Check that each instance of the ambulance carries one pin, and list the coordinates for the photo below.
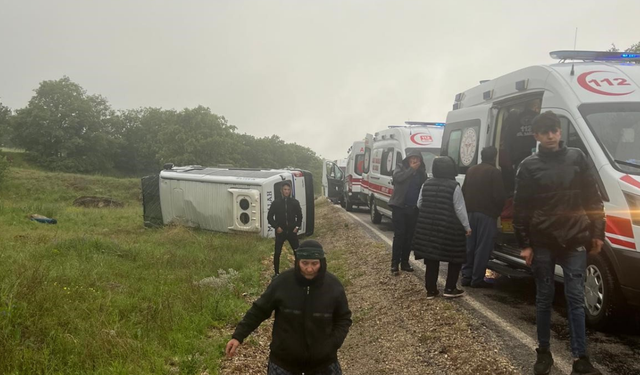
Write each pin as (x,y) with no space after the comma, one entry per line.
(387,148)
(597,97)
(353,193)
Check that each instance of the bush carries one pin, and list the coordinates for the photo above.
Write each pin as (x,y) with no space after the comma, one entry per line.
(4,168)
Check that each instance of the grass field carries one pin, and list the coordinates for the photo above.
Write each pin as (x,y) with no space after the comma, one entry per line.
(100,294)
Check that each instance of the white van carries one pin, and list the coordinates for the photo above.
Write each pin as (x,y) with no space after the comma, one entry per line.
(387,148)
(333,180)
(598,101)
(224,199)
(353,193)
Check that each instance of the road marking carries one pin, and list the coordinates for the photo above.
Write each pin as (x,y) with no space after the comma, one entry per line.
(518,334)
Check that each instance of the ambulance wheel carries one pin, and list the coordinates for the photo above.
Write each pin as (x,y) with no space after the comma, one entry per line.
(348,204)
(376,217)
(602,295)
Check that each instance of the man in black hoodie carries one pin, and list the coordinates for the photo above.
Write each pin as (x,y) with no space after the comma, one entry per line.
(408,177)
(559,217)
(312,317)
(285,216)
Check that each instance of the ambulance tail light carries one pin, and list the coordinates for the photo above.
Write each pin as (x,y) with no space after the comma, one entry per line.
(349,182)
(297,173)
(633,201)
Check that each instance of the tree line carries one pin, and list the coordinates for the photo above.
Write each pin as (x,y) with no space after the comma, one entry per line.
(63,128)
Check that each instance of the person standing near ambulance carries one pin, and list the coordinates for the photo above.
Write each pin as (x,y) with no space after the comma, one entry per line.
(285,216)
(408,177)
(559,217)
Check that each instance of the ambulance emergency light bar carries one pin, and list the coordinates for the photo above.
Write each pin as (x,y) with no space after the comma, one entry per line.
(595,56)
(417,123)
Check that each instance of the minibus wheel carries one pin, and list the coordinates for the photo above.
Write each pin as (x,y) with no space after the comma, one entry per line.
(376,217)
(601,291)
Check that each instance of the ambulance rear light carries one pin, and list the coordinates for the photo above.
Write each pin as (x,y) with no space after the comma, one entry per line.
(595,56)
(633,201)
(297,173)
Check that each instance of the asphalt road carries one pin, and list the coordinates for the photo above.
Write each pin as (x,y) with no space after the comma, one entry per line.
(508,310)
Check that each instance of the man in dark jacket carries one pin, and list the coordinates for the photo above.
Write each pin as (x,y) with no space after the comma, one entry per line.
(312,317)
(408,177)
(285,216)
(558,216)
(484,196)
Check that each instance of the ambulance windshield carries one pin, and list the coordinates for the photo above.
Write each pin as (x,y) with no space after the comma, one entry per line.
(428,154)
(617,127)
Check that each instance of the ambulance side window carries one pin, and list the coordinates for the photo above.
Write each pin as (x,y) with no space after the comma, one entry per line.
(386,162)
(572,139)
(453,146)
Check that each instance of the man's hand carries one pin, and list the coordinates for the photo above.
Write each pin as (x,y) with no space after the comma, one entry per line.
(468,232)
(279,230)
(414,163)
(295,230)
(596,246)
(231,348)
(527,254)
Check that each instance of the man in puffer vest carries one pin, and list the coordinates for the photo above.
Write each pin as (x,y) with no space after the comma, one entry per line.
(312,317)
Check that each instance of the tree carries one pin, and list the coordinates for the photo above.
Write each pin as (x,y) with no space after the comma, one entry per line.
(635,48)
(5,116)
(66,128)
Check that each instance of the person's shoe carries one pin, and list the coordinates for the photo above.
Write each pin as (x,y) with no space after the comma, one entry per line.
(275,275)
(395,272)
(482,284)
(453,293)
(406,267)
(584,366)
(465,282)
(432,295)
(543,362)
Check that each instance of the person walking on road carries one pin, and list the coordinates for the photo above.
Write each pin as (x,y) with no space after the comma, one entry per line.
(442,227)
(312,317)
(285,216)
(559,217)
(408,177)
(484,197)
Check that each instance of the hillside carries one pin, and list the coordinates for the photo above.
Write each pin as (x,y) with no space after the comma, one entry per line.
(100,294)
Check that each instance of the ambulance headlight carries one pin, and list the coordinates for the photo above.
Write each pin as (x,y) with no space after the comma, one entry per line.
(633,201)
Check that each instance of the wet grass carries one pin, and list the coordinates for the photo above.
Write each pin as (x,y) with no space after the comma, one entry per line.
(100,294)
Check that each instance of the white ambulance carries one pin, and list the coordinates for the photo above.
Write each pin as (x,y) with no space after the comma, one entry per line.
(598,101)
(387,148)
(224,199)
(353,193)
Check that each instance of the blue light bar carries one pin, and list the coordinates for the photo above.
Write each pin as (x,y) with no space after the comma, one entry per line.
(418,123)
(595,56)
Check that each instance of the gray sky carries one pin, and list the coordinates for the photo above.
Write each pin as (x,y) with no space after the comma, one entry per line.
(320,73)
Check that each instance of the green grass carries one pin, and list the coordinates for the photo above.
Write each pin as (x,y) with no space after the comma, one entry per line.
(100,294)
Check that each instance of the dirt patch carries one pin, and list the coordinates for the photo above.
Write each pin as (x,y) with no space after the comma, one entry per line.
(396,330)
(97,202)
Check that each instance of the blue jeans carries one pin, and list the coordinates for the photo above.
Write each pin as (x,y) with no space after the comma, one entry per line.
(574,265)
(479,247)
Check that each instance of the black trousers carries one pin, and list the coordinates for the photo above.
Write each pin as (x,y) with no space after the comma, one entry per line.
(404,224)
(280,239)
(431,276)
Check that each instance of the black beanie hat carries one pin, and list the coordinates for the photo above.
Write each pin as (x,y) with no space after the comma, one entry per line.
(310,249)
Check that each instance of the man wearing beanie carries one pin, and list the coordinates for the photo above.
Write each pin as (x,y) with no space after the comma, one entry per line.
(285,217)
(312,317)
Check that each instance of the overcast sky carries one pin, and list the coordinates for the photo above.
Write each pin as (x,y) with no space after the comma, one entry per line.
(319,73)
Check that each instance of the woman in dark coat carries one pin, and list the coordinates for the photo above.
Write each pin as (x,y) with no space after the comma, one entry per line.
(442,227)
